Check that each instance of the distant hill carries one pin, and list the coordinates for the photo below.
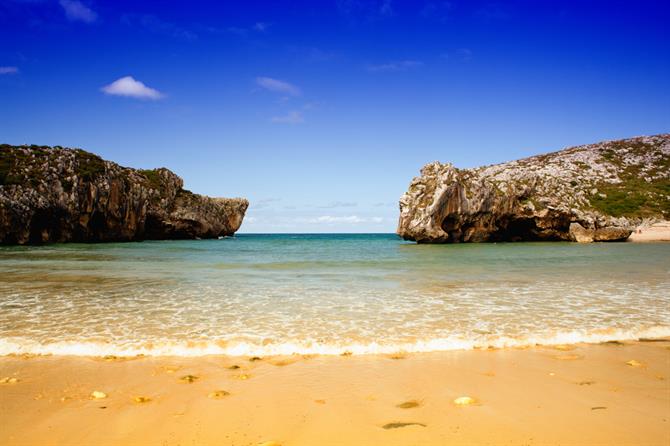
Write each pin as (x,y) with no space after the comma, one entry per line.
(55,194)
(593,192)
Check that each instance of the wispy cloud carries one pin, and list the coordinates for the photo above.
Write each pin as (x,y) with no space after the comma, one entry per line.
(464,54)
(292,117)
(156,25)
(278,86)
(261,26)
(129,87)
(264,203)
(390,67)
(339,204)
(243,31)
(338,219)
(365,9)
(437,10)
(492,12)
(76,11)
(9,70)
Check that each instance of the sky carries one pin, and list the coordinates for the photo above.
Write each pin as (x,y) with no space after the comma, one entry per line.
(322,112)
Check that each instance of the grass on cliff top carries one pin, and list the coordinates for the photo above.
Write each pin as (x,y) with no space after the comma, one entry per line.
(23,164)
(153,177)
(14,157)
(634,197)
(89,166)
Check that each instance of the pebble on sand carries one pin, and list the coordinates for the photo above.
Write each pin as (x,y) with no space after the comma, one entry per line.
(9,380)
(141,399)
(465,401)
(98,395)
(634,363)
(242,376)
(218,394)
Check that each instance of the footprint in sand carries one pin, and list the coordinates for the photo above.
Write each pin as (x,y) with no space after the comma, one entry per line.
(564,347)
(408,404)
(189,379)
(141,399)
(568,357)
(634,363)
(218,394)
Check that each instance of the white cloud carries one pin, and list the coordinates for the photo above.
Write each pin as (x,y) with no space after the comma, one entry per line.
(76,11)
(292,117)
(129,87)
(402,65)
(277,86)
(9,70)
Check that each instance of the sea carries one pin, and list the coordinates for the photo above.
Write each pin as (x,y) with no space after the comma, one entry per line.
(330,294)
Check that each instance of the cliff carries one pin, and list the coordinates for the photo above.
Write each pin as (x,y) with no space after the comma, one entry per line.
(54,194)
(596,192)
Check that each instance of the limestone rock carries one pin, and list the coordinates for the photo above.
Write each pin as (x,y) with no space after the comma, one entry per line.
(53,194)
(586,193)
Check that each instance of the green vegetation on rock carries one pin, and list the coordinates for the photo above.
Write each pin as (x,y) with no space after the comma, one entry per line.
(89,165)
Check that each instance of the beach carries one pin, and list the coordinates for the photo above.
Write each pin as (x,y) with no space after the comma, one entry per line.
(334,339)
(657,232)
(611,393)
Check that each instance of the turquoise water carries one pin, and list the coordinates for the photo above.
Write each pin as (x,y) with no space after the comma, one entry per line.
(364,293)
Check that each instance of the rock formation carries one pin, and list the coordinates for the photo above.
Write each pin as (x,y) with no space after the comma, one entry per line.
(597,192)
(69,195)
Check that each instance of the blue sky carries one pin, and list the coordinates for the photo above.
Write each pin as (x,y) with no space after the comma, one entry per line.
(321,112)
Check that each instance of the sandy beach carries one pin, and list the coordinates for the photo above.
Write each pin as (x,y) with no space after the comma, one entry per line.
(657,232)
(613,393)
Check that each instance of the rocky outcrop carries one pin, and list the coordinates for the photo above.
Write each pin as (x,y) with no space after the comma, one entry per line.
(597,192)
(69,195)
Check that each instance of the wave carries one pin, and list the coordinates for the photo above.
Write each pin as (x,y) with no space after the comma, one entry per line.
(12,346)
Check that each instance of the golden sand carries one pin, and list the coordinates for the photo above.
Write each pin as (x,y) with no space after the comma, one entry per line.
(505,396)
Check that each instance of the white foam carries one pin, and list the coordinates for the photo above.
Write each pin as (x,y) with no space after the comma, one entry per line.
(194,349)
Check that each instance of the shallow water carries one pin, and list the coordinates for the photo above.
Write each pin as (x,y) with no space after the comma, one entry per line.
(364,293)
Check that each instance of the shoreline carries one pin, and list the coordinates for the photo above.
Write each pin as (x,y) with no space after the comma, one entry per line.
(197,348)
(609,393)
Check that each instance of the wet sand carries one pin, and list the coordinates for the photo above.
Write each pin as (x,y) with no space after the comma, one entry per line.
(572,395)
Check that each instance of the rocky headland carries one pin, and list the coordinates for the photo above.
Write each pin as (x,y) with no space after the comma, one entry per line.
(55,194)
(596,192)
